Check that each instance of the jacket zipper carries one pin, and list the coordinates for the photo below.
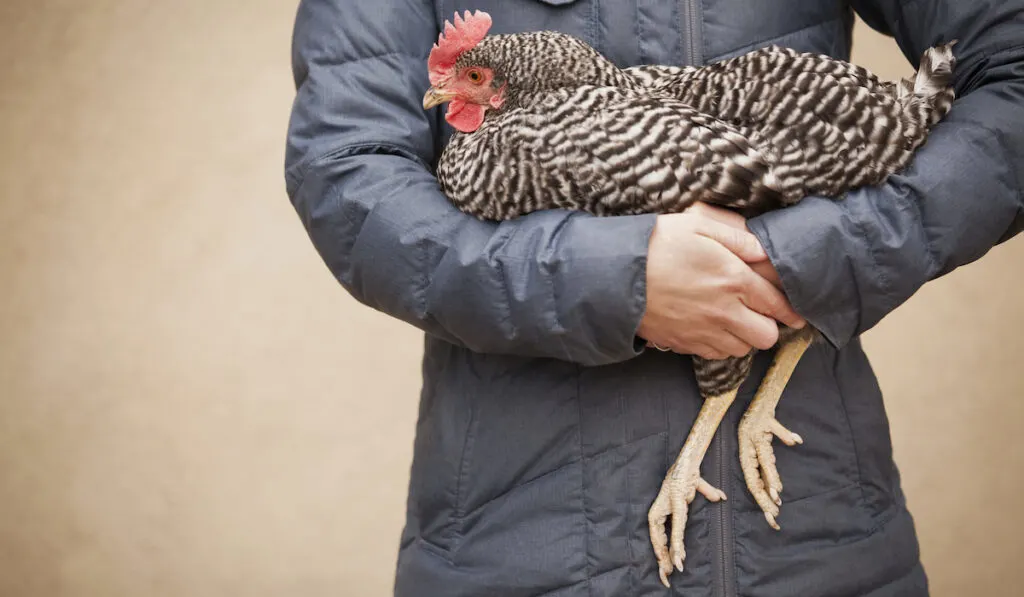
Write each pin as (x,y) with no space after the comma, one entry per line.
(722,513)
(724,561)
(690,30)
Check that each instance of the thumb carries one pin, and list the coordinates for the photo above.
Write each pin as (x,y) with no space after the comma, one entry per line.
(742,243)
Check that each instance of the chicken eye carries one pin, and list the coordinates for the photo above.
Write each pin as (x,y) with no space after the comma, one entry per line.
(475,76)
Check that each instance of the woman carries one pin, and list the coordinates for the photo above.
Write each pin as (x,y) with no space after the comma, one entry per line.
(545,426)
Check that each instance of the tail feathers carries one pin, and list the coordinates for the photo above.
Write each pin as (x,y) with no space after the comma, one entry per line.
(929,93)
(935,74)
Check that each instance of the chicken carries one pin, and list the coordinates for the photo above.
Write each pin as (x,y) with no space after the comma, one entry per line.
(544,121)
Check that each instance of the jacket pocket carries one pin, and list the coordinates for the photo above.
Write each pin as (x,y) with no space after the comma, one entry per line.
(863,406)
(491,430)
(524,426)
(444,437)
(812,406)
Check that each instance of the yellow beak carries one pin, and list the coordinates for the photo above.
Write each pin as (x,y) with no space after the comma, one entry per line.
(436,97)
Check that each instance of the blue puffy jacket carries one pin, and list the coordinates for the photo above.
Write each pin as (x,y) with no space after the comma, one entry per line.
(545,428)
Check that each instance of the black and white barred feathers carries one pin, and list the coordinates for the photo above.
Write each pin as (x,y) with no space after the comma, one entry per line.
(753,133)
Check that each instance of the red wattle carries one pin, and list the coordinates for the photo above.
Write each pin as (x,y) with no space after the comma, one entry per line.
(464,117)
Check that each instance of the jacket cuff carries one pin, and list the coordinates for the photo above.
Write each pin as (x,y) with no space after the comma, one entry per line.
(610,276)
(818,269)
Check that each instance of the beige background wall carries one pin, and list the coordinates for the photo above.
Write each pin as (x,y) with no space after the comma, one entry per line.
(190,405)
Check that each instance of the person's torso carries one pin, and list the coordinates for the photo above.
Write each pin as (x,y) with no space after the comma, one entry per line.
(533,477)
(680,32)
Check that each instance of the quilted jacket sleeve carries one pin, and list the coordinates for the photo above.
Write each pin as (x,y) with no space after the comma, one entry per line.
(360,147)
(847,264)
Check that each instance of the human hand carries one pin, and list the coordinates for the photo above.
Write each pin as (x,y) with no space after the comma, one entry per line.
(703,297)
(730,218)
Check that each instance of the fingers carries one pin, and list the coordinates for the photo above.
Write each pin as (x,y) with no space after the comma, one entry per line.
(749,329)
(766,270)
(703,350)
(764,298)
(706,352)
(730,230)
(741,331)
(732,343)
(719,214)
(703,297)
(740,242)
(722,346)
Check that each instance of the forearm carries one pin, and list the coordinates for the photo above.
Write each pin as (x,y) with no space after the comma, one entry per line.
(360,146)
(846,264)
(552,284)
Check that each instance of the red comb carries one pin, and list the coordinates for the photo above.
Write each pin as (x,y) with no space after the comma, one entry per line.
(456,39)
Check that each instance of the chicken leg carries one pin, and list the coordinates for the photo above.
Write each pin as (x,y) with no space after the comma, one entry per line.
(757,459)
(682,483)
(719,382)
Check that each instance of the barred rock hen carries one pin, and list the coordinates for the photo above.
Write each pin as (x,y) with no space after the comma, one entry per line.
(544,121)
